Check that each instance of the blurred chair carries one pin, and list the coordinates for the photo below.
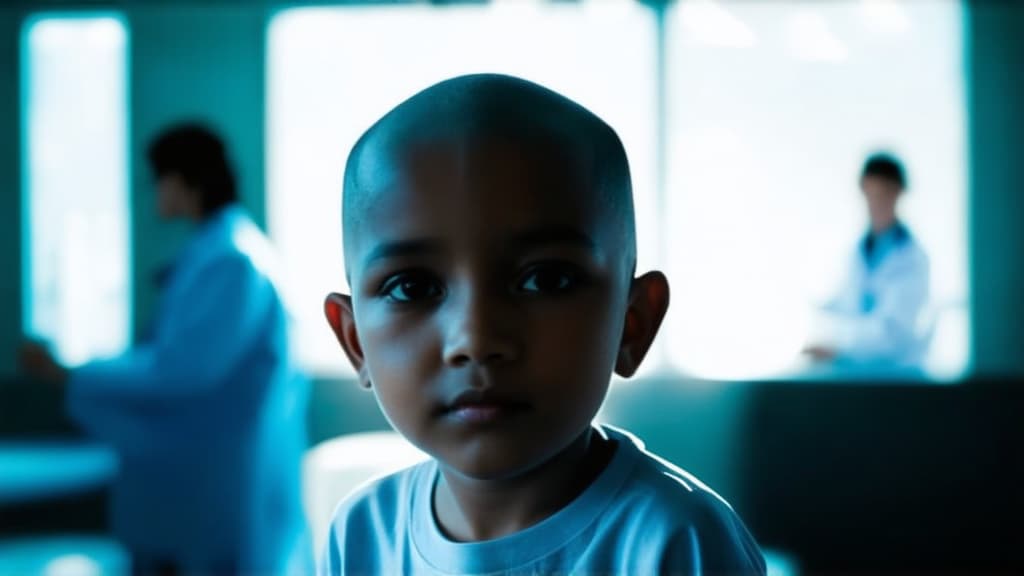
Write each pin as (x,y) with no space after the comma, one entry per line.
(334,468)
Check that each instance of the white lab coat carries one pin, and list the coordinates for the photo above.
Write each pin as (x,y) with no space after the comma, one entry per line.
(208,418)
(878,317)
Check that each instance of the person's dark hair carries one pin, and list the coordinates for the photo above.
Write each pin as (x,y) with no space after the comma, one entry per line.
(198,156)
(885,165)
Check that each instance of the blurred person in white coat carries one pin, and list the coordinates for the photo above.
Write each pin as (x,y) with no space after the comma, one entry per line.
(208,415)
(877,318)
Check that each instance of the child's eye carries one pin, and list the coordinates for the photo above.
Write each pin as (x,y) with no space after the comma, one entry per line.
(411,287)
(550,278)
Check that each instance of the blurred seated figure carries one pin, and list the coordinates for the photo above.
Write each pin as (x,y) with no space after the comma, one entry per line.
(877,320)
(208,416)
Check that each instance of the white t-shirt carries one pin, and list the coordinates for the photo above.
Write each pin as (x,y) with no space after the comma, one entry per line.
(641,515)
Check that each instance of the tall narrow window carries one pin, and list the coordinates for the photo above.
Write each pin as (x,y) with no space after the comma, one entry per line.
(75,218)
(325,87)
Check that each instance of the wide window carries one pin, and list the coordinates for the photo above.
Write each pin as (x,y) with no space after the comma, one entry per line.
(772,108)
(746,125)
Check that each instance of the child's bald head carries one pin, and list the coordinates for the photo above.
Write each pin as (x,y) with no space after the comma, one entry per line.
(489,246)
(471,109)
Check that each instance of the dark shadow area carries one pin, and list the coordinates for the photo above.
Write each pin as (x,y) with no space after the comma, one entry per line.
(32,412)
(848,478)
(84,513)
(888,478)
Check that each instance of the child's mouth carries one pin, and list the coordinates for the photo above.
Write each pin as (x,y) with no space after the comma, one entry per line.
(477,407)
(478,413)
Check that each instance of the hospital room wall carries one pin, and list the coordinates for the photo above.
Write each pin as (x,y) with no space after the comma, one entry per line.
(10,192)
(206,60)
(192,61)
(996,118)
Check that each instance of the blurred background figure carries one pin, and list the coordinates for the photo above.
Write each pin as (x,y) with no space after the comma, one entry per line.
(877,317)
(207,415)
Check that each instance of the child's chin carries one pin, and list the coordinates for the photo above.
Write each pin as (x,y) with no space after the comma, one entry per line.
(484,463)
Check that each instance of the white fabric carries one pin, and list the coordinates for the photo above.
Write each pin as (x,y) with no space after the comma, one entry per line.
(640,516)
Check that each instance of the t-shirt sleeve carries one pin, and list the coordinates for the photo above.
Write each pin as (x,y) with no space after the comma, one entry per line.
(329,563)
(362,534)
(209,329)
(336,560)
(715,543)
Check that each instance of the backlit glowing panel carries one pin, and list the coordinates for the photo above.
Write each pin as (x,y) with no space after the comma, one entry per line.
(333,71)
(75,184)
(766,137)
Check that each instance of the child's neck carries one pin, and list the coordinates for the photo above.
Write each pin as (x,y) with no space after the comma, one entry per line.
(470,510)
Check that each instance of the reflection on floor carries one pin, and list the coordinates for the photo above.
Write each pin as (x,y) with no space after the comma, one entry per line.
(66,555)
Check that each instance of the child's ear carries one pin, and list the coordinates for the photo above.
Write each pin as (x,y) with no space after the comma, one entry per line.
(338,309)
(648,302)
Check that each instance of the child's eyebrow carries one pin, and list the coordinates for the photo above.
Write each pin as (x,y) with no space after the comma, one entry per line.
(531,238)
(401,248)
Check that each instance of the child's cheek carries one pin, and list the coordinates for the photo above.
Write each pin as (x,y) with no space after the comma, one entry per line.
(582,322)
(399,347)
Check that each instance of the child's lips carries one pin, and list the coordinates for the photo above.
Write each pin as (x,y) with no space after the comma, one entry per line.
(481,407)
(482,414)
(478,413)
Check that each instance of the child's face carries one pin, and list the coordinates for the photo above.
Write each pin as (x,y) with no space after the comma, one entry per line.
(489,295)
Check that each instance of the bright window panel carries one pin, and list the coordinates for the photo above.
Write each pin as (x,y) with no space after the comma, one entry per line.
(325,87)
(773,107)
(75,219)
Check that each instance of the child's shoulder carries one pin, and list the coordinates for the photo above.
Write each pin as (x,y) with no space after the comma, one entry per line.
(668,488)
(370,521)
(661,498)
(385,495)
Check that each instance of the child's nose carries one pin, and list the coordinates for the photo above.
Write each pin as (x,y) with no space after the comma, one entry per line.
(481,332)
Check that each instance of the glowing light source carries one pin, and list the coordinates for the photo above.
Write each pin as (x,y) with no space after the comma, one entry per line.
(707,22)
(324,88)
(886,16)
(76,197)
(73,565)
(812,39)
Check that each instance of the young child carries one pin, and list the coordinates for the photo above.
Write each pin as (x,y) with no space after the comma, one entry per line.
(490,247)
